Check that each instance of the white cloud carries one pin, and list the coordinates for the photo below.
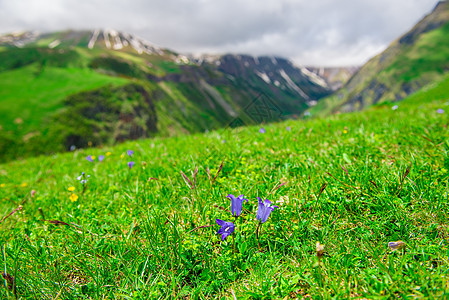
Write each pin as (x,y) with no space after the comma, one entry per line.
(321,32)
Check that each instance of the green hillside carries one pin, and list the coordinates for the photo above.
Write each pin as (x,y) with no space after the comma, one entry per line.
(419,57)
(40,92)
(352,182)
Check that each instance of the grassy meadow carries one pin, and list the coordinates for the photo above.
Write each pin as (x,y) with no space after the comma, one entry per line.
(352,182)
(28,102)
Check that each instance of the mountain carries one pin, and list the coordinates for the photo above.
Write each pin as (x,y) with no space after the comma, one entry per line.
(135,90)
(416,59)
(335,77)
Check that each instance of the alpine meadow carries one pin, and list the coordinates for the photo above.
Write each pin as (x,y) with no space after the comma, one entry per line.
(153,175)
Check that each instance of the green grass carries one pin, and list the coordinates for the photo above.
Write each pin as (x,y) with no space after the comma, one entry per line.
(385,178)
(40,92)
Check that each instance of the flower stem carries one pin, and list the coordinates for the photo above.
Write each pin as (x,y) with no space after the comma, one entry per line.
(257,234)
(233,241)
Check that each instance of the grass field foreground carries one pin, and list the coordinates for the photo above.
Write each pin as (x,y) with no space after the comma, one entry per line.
(352,182)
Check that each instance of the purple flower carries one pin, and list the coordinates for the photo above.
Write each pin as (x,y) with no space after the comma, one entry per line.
(262,130)
(83,178)
(131,164)
(395,107)
(100,157)
(130,152)
(236,204)
(288,128)
(264,210)
(440,111)
(89,158)
(226,228)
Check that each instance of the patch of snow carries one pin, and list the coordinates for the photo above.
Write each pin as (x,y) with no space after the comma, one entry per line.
(118,43)
(54,44)
(142,46)
(264,76)
(93,39)
(274,61)
(313,77)
(136,45)
(115,38)
(19,38)
(106,39)
(292,85)
(277,83)
(182,59)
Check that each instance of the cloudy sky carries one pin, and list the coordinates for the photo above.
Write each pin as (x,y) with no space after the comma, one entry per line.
(310,32)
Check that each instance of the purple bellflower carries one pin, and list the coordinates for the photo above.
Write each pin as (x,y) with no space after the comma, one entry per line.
(440,111)
(100,157)
(236,204)
(264,210)
(130,152)
(89,158)
(262,130)
(131,164)
(227,228)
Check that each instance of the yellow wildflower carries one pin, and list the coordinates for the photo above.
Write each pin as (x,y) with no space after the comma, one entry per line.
(73,197)
(24,184)
(2,185)
(108,153)
(71,188)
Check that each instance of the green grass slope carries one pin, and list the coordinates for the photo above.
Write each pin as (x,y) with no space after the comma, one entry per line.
(414,60)
(352,182)
(27,102)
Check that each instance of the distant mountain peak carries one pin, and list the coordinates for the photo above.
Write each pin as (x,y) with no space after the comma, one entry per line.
(116,40)
(102,38)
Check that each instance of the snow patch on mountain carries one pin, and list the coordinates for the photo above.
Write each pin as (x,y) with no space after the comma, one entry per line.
(54,44)
(117,40)
(93,39)
(106,39)
(292,85)
(313,77)
(264,76)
